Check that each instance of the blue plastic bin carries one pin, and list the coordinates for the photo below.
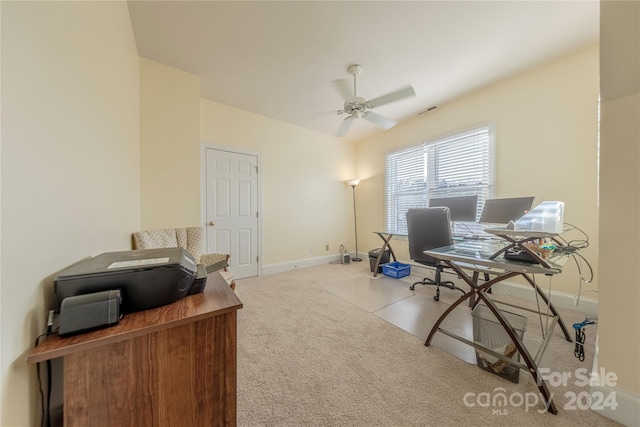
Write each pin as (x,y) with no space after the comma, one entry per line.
(396,269)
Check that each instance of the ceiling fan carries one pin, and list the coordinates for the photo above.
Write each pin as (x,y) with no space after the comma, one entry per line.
(357,107)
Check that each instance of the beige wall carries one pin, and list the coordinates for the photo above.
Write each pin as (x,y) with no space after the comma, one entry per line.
(546,145)
(304,198)
(619,250)
(97,143)
(70,163)
(305,202)
(169,147)
(619,303)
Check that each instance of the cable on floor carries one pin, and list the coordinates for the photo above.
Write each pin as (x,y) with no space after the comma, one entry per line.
(581,337)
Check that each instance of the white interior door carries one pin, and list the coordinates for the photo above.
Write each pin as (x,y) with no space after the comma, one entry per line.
(232,209)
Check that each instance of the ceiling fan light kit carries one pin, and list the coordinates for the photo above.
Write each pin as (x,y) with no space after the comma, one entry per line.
(357,107)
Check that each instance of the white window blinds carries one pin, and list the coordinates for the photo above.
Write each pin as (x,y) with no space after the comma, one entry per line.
(458,165)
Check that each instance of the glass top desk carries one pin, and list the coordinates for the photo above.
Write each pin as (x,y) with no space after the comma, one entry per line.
(499,243)
(386,237)
(469,259)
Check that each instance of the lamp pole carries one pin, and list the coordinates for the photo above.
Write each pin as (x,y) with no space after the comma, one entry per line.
(353,183)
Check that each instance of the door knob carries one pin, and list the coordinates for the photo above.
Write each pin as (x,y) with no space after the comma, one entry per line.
(211,224)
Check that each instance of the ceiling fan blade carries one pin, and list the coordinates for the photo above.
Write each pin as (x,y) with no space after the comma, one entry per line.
(344,89)
(378,120)
(344,127)
(405,92)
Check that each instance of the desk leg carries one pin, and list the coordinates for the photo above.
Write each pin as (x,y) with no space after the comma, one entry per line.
(473,300)
(533,368)
(385,245)
(551,307)
(473,284)
(480,291)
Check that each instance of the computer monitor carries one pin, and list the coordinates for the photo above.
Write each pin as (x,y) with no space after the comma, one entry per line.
(501,211)
(461,208)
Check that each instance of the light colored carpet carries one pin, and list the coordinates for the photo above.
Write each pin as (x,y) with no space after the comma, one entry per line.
(308,357)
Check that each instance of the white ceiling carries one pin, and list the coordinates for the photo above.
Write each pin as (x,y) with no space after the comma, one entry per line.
(278,59)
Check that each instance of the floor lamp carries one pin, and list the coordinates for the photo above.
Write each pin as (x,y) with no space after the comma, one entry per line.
(353,183)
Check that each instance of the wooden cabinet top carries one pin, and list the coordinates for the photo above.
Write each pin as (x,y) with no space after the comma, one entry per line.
(216,299)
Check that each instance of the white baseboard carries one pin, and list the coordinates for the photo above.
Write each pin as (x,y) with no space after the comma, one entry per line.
(587,306)
(627,410)
(301,263)
(559,299)
(627,406)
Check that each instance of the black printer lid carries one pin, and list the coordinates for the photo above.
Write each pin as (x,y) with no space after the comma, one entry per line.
(127,261)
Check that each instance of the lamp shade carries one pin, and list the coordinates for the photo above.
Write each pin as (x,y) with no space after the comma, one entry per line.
(353,182)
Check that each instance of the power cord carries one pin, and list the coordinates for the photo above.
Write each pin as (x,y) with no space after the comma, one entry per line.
(44,403)
(578,260)
(576,243)
(581,337)
(42,399)
(340,260)
(571,248)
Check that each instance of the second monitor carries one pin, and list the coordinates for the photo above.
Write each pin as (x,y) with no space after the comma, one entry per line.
(461,208)
(501,211)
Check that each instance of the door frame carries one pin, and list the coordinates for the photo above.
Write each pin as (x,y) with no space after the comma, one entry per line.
(204,145)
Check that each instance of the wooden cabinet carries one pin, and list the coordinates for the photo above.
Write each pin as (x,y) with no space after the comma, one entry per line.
(174,365)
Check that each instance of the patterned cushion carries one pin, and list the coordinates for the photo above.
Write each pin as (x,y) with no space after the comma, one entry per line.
(195,241)
(181,235)
(214,262)
(191,239)
(155,239)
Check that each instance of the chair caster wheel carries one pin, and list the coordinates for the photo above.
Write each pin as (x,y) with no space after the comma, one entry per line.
(437,298)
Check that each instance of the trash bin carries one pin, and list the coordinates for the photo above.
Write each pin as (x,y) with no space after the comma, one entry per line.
(373,257)
(488,332)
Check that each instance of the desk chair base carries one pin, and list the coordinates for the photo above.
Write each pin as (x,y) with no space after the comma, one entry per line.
(437,283)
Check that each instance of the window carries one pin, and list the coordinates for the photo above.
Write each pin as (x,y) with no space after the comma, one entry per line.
(458,165)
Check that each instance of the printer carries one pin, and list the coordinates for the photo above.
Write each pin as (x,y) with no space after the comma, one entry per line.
(145,278)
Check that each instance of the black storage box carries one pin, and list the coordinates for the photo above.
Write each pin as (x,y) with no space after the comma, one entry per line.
(373,257)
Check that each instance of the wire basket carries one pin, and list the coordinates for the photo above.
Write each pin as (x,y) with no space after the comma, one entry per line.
(488,332)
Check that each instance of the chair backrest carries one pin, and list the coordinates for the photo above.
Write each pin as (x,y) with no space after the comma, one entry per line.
(191,239)
(428,228)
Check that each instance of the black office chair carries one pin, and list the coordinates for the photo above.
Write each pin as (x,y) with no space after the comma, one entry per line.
(429,228)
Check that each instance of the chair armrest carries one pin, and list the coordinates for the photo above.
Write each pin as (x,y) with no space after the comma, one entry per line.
(214,262)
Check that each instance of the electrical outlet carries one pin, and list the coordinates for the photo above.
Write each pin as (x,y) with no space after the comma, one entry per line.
(310,250)
(326,247)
